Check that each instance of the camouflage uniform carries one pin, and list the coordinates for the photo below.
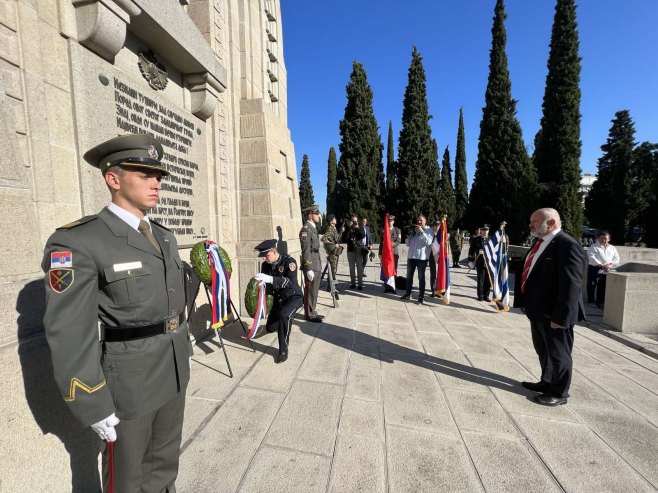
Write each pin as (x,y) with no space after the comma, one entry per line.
(456,245)
(330,239)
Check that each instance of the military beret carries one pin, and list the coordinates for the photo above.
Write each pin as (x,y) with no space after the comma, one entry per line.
(265,247)
(131,150)
(331,217)
(312,208)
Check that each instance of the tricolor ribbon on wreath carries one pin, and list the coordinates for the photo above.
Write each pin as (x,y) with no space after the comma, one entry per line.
(261,310)
(220,292)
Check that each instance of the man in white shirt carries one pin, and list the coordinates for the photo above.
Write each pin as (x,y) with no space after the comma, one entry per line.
(419,243)
(603,258)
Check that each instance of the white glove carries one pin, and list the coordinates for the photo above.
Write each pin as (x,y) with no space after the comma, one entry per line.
(105,428)
(190,362)
(310,274)
(263,278)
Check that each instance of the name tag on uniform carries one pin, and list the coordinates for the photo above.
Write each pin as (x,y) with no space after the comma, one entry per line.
(127,266)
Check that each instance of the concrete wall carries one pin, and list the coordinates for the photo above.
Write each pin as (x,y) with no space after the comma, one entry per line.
(52,52)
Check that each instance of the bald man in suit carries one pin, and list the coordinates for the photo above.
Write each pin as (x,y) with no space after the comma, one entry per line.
(548,291)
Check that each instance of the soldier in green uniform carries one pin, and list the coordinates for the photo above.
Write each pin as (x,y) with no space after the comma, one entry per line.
(115,320)
(331,242)
(311,264)
(456,244)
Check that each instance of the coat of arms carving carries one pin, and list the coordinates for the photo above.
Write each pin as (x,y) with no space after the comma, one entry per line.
(153,70)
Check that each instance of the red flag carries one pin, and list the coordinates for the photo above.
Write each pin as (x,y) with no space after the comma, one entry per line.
(442,288)
(388,261)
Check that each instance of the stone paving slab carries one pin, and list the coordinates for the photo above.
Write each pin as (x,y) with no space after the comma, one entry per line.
(423,462)
(508,465)
(360,465)
(592,466)
(286,471)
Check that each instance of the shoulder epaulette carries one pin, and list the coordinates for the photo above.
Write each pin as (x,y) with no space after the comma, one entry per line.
(158,224)
(78,222)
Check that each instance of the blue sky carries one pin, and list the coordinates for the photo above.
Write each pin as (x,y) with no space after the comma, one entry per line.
(618,46)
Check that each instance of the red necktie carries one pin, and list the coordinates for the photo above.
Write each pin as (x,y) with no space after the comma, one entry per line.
(528,263)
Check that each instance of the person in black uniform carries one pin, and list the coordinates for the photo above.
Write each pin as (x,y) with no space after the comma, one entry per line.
(476,255)
(281,272)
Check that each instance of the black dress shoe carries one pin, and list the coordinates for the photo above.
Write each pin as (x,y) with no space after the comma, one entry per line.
(316,320)
(487,299)
(420,302)
(479,298)
(535,386)
(360,288)
(549,400)
(283,355)
(352,286)
(405,296)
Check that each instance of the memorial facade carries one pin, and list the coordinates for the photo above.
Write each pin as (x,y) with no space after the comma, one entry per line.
(205,77)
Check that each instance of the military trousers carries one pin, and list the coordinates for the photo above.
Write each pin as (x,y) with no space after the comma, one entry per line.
(311,290)
(483,282)
(147,451)
(280,319)
(456,255)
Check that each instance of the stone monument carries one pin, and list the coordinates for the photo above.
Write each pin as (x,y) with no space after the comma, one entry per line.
(208,80)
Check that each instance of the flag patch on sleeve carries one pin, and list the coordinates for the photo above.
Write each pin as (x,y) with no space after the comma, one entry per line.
(61,260)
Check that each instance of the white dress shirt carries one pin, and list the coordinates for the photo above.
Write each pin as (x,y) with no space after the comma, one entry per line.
(547,238)
(128,217)
(597,255)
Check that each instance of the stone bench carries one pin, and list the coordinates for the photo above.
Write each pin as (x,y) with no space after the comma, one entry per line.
(630,298)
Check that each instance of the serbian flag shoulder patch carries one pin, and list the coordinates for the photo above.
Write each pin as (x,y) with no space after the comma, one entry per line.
(61,260)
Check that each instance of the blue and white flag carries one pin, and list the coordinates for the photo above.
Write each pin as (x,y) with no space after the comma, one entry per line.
(495,259)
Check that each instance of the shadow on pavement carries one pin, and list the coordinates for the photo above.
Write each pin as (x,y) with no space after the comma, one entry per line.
(390,352)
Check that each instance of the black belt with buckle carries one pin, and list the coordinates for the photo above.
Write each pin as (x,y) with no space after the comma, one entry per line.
(120,334)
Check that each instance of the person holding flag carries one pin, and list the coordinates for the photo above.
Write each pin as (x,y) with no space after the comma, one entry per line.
(495,261)
(388,270)
(442,287)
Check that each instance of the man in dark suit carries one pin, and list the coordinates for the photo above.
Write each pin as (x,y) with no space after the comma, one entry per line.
(548,291)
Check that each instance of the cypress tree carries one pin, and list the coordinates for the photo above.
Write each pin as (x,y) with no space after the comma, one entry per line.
(306,198)
(331,179)
(644,208)
(360,170)
(461,185)
(504,185)
(417,166)
(611,197)
(446,192)
(391,178)
(558,146)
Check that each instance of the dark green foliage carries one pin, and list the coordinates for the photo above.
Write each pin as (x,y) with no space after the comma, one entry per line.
(611,197)
(360,174)
(306,198)
(557,145)
(331,180)
(644,208)
(201,265)
(504,186)
(417,166)
(391,174)
(251,297)
(446,192)
(461,185)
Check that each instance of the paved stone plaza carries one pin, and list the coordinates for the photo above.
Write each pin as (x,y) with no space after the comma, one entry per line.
(391,396)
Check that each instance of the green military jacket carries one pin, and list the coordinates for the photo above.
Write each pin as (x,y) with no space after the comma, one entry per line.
(330,239)
(99,270)
(310,242)
(456,242)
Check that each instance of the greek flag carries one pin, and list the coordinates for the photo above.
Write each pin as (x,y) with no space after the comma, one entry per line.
(495,259)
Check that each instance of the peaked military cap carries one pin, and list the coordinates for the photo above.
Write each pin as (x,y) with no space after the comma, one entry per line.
(484,226)
(131,150)
(313,208)
(391,217)
(265,247)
